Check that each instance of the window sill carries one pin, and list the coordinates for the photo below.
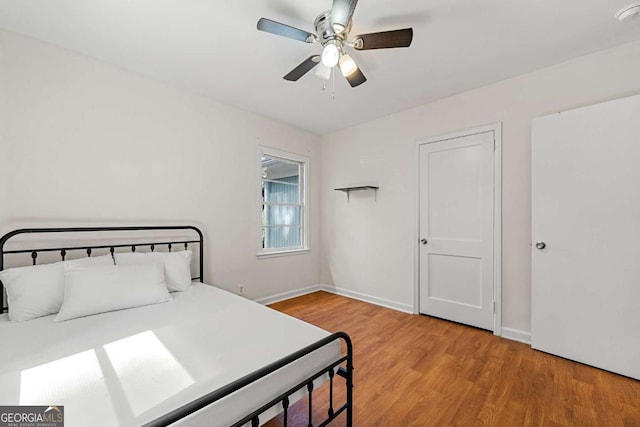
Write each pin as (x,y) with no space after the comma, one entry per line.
(283,253)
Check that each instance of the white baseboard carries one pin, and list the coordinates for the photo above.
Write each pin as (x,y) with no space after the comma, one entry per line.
(508,333)
(406,308)
(516,335)
(288,295)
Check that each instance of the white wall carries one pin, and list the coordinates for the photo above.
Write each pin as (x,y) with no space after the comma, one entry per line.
(368,246)
(83,143)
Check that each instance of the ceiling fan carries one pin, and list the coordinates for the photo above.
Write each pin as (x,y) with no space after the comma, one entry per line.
(332,32)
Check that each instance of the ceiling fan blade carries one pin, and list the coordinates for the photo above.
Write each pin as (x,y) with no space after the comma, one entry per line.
(284,30)
(384,39)
(303,68)
(341,13)
(356,78)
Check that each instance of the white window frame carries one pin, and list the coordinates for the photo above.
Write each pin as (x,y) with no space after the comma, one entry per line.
(304,198)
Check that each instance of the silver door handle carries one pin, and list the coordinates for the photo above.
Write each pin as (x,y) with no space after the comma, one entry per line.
(424,241)
(541,245)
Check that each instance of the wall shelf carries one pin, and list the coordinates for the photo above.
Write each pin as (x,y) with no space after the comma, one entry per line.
(348,190)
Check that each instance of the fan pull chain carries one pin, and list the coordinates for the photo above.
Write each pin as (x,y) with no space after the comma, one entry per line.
(333,83)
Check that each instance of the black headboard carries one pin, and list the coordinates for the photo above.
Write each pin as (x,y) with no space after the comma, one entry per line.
(102,244)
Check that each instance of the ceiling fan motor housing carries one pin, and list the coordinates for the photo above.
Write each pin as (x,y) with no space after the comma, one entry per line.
(324,30)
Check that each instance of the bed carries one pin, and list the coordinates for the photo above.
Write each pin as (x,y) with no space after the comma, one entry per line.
(207,357)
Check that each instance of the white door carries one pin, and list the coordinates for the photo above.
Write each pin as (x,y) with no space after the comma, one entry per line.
(586,212)
(456,229)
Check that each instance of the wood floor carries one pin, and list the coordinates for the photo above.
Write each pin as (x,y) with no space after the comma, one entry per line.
(420,371)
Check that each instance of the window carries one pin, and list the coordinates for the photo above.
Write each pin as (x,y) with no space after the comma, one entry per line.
(283,193)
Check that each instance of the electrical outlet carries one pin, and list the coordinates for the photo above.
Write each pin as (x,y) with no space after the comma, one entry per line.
(241,289)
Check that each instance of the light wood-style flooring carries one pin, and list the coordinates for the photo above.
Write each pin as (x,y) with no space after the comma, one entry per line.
(415,370)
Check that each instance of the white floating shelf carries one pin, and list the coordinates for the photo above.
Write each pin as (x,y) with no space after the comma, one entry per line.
(348,190)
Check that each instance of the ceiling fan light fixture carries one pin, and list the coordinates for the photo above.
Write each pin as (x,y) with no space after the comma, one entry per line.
(347,65)
(323,72)
(330,55)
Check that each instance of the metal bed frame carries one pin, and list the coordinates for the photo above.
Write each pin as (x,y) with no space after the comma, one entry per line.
(343,367)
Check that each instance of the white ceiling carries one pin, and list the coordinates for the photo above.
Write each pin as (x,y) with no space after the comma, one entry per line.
(212,47)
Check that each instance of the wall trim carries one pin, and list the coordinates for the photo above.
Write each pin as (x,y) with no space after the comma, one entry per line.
(288,295)
(394,305)
(507,333)
(516,335)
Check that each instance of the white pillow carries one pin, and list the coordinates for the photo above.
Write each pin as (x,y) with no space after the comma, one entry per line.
(38,290)
(87,261)
(99,289)
(177,265)
(33,291)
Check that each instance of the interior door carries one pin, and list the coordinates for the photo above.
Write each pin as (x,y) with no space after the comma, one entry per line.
(586,234)
(456,229)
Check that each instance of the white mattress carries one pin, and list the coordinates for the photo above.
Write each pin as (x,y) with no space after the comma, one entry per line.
(132,366)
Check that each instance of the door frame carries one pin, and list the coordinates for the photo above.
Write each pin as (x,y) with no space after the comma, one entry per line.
(496,128)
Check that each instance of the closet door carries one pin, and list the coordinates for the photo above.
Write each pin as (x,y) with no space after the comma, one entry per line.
(586,235)
(456,229)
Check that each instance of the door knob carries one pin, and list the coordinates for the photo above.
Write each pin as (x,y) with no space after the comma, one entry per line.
(424,241)
(541,245)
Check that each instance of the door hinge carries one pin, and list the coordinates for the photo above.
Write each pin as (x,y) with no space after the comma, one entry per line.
(494,307)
